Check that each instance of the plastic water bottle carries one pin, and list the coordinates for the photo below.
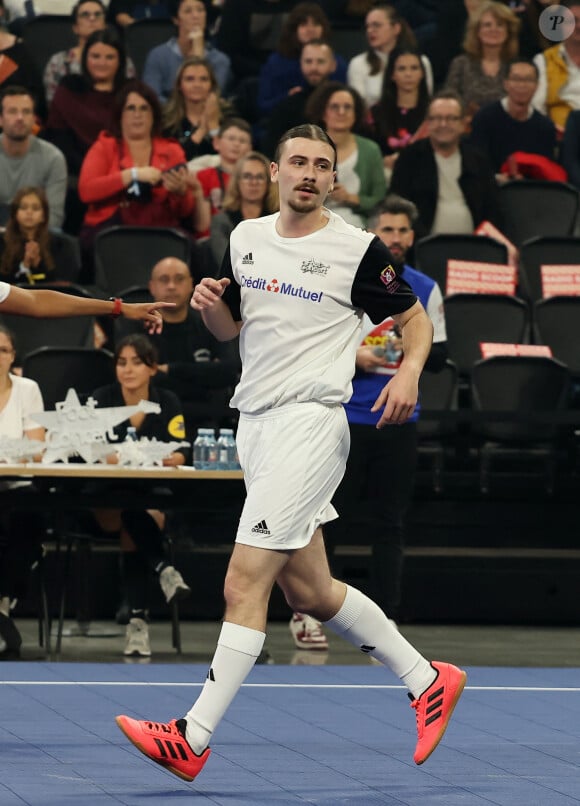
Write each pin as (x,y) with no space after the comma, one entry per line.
(227,452)
(212,450)
(200,449)
(131,434)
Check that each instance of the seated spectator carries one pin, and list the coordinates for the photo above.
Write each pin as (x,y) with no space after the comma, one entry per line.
(25,160)
(249,31)
(164,61)
(360,180)
(133,175)
(87,16)
(385,30)
(570,148)
(317,64)
(403,104)
(281,75)
(17,66)
(81,107)
(193,364)
(25,246)
(250,194)
(193,112)
(512,124)
(451,182)
(233,140)
(559,80)
(126,12)
(490,44)
(22,530)
(141,531)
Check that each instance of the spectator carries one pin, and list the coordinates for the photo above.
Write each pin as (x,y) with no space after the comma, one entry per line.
(249,31)
(17,66)
(490,44)
(81,107)
(317,64)
(360,180)
(512,124)
(164,61)
(87,16)
(559,74)
(363,497)
(126,12)
(24,159)
(233,141)
(193,112)
(250,194)
(385,30)
(193,364)
(22,530)
(281,75)
(133,175)
(25,247)
(570,148)
(141,531)
(451,182)
(403,104)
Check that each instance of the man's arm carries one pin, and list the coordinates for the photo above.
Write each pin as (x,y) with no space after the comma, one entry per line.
(53,304)
(399,396)
(217,317)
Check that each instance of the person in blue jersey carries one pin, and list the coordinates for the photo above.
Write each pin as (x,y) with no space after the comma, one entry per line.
(376,490)
(294,286)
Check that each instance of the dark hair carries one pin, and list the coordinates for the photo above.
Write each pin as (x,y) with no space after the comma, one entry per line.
(385,111)
(75,9)
(406,37)
(527,62)
(308,131)
(145,91)
(448,95)
(318,101)
(288,44)
(394,205)
(144,348)
(237,123)
(13,90)
(110,37)
(14,241)
(8,333)
(174,6)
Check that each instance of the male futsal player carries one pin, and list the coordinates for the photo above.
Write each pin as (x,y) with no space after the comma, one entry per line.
(294,286)
(53,304)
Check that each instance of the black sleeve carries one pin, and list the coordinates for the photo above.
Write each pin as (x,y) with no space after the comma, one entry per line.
(437,357)
(377,288)
(231,296)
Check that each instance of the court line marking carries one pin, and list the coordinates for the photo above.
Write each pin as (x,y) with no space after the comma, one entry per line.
(317,686)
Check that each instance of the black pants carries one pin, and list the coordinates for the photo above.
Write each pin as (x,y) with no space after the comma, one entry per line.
(372,502)
(21,536)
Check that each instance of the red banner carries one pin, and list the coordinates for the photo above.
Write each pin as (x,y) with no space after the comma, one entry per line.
(472,277)
(491,348)
(560,281)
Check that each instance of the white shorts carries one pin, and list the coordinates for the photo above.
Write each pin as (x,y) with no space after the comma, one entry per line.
(293,460)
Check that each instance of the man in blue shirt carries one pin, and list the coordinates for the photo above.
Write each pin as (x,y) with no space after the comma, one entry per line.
(363,497)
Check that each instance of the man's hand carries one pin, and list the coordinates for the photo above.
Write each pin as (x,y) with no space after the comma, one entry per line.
(148,312)
(399,397)
(208,292)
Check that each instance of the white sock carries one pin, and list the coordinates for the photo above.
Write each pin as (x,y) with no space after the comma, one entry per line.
(363,623)
(235,655)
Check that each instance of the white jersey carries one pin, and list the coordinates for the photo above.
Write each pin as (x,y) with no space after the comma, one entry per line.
(4,291)
(301,302)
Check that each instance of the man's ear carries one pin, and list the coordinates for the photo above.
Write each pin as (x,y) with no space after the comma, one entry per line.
(274,171)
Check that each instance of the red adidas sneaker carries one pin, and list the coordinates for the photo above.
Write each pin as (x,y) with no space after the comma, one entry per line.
(165,744)
(435,706)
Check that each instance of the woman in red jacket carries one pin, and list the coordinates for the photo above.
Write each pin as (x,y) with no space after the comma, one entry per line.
(131,175)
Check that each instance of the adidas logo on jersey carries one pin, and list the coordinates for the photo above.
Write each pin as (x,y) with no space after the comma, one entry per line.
(261,528)
(248,260)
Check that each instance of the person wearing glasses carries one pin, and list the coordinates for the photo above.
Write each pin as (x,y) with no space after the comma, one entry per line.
(451,182)
(87,16)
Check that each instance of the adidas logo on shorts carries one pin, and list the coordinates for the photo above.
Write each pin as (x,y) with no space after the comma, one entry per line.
(261,528)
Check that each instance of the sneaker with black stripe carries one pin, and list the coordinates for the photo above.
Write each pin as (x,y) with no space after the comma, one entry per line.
(434,707)
(165,744)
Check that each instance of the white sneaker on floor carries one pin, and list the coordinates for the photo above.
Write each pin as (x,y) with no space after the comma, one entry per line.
(173,585)
(137,638)
(307,632)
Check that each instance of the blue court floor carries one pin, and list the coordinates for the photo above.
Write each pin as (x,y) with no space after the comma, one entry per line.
(328,735)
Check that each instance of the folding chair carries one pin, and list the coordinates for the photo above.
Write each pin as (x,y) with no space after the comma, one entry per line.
(530,207)
(542,250)
(433,252)
(437,392)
